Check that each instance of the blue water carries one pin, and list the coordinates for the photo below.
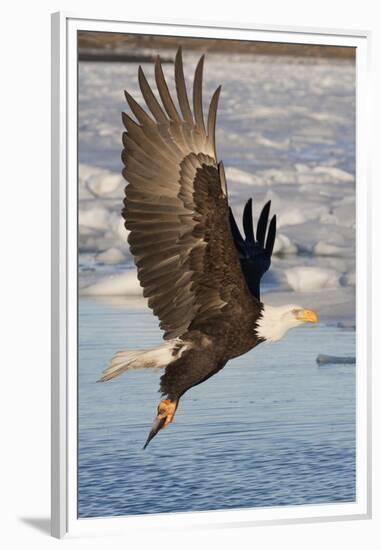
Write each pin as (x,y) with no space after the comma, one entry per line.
(272,428)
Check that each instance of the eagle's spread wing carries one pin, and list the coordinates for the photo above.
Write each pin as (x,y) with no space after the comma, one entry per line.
(176,207)
(253,253)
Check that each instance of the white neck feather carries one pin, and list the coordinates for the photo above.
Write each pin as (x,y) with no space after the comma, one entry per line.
(275,322)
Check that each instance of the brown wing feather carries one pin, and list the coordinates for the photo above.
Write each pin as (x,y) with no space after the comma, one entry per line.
(176,208)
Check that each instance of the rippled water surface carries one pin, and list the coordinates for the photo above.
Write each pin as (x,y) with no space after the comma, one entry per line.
(272,428)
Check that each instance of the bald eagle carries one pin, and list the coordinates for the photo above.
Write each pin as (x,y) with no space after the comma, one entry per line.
(201,277)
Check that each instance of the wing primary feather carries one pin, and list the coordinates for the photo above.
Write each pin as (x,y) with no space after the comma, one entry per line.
(150,98)
(262,223)
(238,240)
(165,96)
(181,88)
(151,139)
(129,122)
(136,133)
(212,117)
(271,236)
(248,221)
(197,96)
(138,111)
(131,148)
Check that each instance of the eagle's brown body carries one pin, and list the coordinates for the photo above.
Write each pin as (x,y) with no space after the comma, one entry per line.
(207,350)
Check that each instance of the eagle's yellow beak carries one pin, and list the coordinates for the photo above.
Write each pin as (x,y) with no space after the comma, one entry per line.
(307,316)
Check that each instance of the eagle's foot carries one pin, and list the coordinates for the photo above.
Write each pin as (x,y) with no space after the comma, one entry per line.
(165,414)
(166,410)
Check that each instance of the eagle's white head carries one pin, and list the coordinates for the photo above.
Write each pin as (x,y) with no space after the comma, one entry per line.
(275,322)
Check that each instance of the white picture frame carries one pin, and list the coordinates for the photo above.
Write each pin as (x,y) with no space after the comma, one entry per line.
(64,277)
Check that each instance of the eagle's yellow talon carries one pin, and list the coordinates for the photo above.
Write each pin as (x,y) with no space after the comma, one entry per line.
(166,409)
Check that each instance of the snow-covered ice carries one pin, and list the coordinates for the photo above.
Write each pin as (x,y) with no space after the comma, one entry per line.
(121,284)
(111,256)
(283,245)
(285,131)
(305,278)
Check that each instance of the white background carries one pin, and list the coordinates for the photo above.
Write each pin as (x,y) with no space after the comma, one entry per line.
(25,270)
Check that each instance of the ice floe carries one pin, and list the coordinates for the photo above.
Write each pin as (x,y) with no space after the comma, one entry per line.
(306,278)
(121,284)
(323,359)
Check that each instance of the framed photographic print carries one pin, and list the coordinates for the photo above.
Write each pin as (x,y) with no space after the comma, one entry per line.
(211,275)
